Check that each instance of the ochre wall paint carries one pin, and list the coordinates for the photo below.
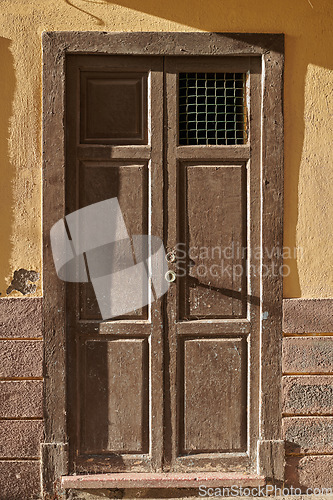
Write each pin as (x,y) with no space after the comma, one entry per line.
(308,100)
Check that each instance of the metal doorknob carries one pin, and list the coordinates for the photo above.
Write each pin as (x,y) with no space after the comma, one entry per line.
(170,276)
(170,257)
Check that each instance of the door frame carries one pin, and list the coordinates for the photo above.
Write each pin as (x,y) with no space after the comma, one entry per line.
(270,47)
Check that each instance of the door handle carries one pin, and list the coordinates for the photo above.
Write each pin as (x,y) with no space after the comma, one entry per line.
(170,276)
(170,257)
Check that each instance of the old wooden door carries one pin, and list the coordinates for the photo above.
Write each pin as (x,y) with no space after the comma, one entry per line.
(173,386)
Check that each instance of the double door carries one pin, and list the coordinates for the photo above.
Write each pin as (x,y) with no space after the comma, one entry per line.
(173,385)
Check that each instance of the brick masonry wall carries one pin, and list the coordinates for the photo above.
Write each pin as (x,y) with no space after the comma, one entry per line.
(307,392)
(21,396)
(307,389)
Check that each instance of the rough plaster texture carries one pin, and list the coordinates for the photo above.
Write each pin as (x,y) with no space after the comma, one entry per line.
(308,315)
(308,117)
(20,438)
(23,281)
(21,318)
(21,358)
(21,398)
(19,480)
(307,395)
(310,471)
(307,355)
(308,434)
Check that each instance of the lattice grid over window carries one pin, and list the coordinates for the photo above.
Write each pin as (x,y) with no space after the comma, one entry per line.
(212,108)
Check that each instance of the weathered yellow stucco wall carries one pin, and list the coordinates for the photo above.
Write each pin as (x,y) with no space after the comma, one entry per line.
(307,25)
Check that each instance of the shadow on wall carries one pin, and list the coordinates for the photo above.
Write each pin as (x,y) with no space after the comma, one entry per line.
(7,89)
(307,42)
(98,20)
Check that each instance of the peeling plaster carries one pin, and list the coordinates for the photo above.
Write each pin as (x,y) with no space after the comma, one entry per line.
(20,282)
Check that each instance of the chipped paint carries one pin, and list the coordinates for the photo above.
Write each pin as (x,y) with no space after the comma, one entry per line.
(20,282)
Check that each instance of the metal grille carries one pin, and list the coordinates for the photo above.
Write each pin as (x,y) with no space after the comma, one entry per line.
(212,108)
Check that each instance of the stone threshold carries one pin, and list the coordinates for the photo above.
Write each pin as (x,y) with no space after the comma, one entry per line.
(160,480)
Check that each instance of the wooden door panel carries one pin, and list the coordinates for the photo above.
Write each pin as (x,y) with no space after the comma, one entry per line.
(128,181)
(214,378)
(115,388)
(103,180)
(195,356)
(113,107)
(214,400)
(115,415)
(214,229)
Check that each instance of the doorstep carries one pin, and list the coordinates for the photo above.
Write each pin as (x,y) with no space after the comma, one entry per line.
(161,480)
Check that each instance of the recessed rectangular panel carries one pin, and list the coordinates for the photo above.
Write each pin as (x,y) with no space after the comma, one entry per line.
(213,227)
(214,401)
(115,409)
(113,108)
(129,183)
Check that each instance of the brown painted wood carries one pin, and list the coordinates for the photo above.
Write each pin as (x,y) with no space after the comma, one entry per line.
(54,457)
(216,203)
(103,180)
(103,152)
(54,452)
(202,153)
(115,393)
(272,237)
(214,326)
(254,224)
(271,459)
(263,182)
(113,110)
(110,410)
(214,399)
(213,219)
